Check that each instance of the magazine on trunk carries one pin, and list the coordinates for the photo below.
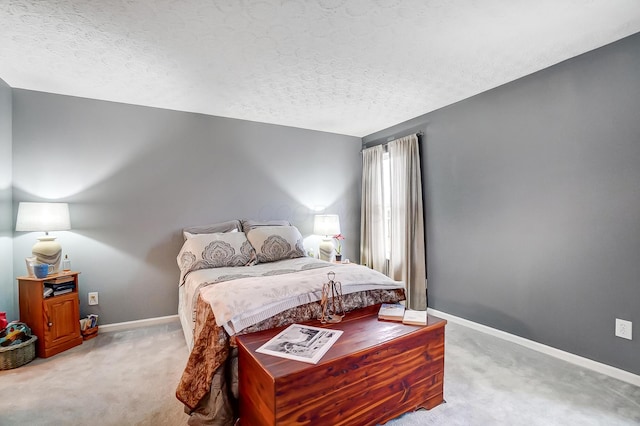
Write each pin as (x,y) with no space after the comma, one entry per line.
(301,343)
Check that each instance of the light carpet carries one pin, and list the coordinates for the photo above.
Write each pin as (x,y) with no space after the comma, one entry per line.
(129,378)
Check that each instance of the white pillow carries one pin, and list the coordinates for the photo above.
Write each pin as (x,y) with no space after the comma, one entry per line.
(215,250)
(273,243)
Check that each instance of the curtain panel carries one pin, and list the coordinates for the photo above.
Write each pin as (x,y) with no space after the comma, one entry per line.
(407,259)
(372,239)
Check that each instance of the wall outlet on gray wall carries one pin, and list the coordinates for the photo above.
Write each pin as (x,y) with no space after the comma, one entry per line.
(623,328)
(93,298)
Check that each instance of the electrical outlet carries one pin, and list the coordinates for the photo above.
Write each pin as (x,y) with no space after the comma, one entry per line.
(93,298)
(623,328)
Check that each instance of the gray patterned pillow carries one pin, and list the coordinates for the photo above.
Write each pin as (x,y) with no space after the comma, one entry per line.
(228,226)
(276,243)
(249,224)
(214,251)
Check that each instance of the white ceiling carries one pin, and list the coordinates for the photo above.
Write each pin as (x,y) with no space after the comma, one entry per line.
(346,66)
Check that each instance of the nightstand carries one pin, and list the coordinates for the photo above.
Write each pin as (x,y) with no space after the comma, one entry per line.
(55,319)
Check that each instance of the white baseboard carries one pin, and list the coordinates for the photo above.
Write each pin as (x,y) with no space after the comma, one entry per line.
(119,326)
(599,367)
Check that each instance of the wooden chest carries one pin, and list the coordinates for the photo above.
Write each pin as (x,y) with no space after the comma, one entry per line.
(376,371)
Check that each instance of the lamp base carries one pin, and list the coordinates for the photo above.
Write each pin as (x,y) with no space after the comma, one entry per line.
(48,250)
(326,249)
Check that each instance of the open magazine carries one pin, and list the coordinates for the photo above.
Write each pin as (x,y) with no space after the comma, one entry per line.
(301,343)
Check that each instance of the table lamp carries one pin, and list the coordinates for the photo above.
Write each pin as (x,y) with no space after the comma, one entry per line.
(326,225)
(44,217)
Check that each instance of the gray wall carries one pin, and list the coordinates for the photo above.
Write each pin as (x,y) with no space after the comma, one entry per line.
(135,176)
(533,204)
(8,284)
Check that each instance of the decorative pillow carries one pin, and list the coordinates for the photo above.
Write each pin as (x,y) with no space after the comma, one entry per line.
(276,243)
(214,251)
(229,226)
(248,225)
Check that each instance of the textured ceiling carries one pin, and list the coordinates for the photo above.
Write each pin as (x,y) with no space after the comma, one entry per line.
(345,66)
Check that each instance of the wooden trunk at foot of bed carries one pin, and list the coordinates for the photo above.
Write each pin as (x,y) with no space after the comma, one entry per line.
(374,372)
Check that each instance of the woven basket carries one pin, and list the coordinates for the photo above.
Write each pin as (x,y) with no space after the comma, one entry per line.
(89,333)
(16,355)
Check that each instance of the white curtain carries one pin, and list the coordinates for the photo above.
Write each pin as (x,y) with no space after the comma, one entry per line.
(407,261)
(372,240)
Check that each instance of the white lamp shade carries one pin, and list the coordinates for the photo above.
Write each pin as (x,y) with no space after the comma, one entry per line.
(43,217)
(326,224)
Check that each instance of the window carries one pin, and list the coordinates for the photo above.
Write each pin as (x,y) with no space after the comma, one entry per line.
(386,199)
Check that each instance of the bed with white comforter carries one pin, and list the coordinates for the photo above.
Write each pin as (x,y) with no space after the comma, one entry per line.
(275,286)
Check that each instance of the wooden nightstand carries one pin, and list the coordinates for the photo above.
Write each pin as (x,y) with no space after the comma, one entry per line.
(55,320)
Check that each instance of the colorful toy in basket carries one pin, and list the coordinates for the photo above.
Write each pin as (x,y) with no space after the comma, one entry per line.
(15,332)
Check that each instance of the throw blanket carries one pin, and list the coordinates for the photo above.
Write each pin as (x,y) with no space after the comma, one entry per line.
(243,302)
(14,333)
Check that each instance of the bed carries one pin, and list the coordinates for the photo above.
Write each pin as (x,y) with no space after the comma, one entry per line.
(238,277)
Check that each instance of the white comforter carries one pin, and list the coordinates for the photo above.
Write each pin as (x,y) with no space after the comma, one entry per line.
(243,296)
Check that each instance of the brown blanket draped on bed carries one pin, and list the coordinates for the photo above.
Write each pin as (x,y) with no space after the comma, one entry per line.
(210,351)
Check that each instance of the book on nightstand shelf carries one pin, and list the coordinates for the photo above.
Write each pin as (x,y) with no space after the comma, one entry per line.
(391,312)
(415,317)
(53,288)
(62,291)
(60,280)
